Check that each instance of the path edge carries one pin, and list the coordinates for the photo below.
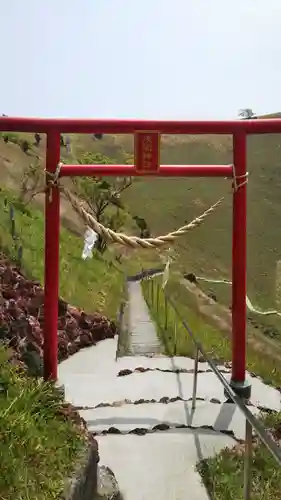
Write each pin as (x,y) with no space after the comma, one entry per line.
(82,484)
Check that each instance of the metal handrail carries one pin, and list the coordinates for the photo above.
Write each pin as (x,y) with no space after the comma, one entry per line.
(251,421)
(120,316)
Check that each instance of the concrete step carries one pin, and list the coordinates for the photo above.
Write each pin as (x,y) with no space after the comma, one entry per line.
(101,358)
(93,389)
(225,417)
(162,465)
(161,363)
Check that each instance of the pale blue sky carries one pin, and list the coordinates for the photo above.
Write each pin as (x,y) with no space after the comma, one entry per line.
(187,59)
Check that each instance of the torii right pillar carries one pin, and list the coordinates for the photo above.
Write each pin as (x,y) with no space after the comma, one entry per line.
(239,383)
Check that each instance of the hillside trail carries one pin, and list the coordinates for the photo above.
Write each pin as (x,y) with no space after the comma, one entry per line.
(139,408)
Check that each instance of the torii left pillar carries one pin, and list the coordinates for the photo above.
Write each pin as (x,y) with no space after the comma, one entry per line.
(51,282)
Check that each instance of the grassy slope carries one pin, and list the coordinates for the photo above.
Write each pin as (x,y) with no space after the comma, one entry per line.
(94,284)
(223,475)
(261,360)
(38,447)
(169,203)
(166,204)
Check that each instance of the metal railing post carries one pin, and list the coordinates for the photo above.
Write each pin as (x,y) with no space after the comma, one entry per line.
(195,378)
(248,461)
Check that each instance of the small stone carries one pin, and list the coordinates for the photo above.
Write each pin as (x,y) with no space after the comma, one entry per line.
(125,372)
(161,427)
(164,400)
(140,431)
(102,405)
(215,401)
(177,398)
(113,430)
(116,404)
(107,487)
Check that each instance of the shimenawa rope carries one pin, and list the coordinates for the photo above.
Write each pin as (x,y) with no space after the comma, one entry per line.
(112,236)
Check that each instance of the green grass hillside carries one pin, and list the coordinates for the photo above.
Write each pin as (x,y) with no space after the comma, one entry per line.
(35,425)
(94,284)
(169,203)
(97,285)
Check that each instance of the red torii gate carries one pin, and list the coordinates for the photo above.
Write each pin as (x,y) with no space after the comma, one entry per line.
(146,163)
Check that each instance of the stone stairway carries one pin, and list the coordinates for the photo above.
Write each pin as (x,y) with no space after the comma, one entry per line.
(143,338)
(140,409)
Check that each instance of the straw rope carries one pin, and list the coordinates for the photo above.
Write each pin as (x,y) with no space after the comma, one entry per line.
(121,238)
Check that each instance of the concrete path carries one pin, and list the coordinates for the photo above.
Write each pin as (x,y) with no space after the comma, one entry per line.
(139,408)
(143,337)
